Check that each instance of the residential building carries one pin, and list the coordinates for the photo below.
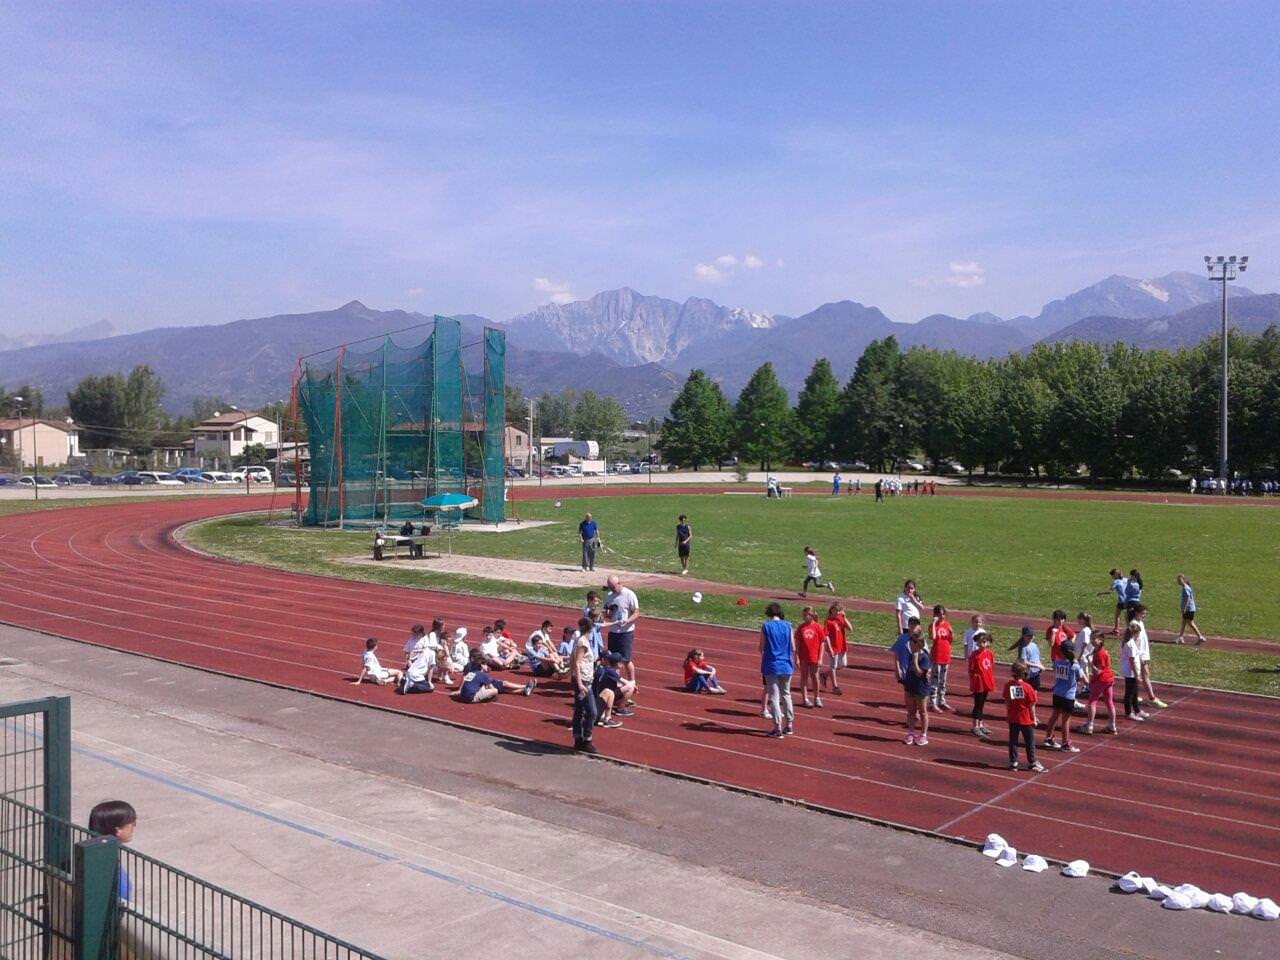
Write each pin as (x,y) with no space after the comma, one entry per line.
(224,436)
(515,447)
(45,443)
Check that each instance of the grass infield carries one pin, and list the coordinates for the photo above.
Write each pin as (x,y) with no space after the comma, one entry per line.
(1020,556)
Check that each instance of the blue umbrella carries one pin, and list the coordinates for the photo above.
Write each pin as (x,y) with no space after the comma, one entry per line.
(453,502)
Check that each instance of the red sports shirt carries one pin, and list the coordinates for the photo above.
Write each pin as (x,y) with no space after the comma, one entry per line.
(809,639)
(838,633)
(982,671)
(942,637)
(1019,698)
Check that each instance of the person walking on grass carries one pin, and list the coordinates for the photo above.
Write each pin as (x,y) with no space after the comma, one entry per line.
(940,637)
(835,484)
(777,663)
(982,680)
(589,534)
(684,542)
(916,685)
(1187,603)
(1102,681)
(1020,707)
(1118,587)
(812,647)
(813,573)
(1067,677)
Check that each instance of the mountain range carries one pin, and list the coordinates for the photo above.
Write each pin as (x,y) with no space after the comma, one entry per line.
(636,347)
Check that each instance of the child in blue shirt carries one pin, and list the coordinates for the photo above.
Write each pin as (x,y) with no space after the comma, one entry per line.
(916,687)
(1067,677)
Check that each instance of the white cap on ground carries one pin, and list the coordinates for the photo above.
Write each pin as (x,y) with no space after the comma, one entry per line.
(1193,893)
(1266,910)
(1007,858)
(697,596)
(557,504)
(995,843)
(1131,882)
(1219,903)
(1243,903)
(1159,892)
(1176,901)
(1076,868)
(1148,884)
(1035,863)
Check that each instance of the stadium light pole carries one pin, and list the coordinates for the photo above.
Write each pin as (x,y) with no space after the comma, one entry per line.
(1223,270)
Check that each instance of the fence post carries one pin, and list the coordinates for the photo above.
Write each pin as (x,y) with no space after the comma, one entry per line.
(57,780)
(94,905)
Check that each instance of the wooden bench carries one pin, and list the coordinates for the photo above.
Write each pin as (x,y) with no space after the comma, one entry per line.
(395,541)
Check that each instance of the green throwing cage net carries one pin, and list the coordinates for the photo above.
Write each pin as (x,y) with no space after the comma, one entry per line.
(389,425)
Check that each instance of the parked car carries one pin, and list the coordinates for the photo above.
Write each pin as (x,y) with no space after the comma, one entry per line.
(36,481)
(136,478)
(70,480)
(162,479)
(859,465)
(258,474)
(515,473)
(8,479)
(947,466)
(217,476)
(188,474)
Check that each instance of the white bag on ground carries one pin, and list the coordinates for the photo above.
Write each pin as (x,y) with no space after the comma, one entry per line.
(1266,910)
(1131,882)
(1243,903)
(1219,903)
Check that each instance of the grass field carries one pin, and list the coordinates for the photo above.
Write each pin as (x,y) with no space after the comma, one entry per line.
(1023,556)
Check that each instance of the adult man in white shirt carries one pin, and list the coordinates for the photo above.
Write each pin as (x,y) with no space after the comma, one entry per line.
(622,629)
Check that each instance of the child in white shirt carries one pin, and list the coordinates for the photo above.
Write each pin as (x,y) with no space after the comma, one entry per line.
(372,671)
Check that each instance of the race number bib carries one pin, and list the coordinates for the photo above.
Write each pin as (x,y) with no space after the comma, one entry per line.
(1017,693)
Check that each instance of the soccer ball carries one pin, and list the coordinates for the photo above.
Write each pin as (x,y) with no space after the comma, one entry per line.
(697,597)
(557,504)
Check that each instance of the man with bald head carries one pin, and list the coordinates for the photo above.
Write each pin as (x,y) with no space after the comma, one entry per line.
(622,609)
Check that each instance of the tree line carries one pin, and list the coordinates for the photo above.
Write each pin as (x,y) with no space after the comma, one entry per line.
(1112,411)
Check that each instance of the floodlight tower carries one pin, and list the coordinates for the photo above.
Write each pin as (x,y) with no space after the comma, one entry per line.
(1223,270)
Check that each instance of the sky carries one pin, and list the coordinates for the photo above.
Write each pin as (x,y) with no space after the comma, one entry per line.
(169,164)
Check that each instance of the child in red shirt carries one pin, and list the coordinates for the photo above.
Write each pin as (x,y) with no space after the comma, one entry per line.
(940,653)
(982,680)
(1020,705)
(1055,633)
(838,629)
(1102,681)
(700,676)
(811,645)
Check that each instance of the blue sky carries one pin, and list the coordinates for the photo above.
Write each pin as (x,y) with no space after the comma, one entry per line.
(196,163)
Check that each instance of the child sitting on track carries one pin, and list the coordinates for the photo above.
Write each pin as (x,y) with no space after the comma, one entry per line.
(700,676)
(372,671)
(493,654)
(456,656)
(478,686)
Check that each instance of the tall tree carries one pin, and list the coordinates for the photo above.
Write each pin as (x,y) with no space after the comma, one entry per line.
(763,420)
(97,404)
(555,414)
(699,427)
(872,423)
(599,418)
(815,415)
(143,414)
(1157,405)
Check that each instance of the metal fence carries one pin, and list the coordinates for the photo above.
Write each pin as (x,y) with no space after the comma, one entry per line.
(67,894)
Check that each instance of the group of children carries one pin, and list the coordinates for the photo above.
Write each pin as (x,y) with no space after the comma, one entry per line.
(1080,666)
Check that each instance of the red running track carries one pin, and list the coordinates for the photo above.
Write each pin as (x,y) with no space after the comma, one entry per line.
(1192,795)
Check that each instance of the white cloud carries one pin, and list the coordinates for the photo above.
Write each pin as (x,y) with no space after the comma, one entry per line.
(726,265)
(965,274)
(559,289)
(415,291)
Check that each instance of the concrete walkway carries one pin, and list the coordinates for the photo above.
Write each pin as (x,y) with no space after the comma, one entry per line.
(413,839)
